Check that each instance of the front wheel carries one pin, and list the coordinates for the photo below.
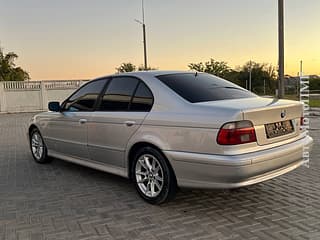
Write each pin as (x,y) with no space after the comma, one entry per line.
(153,176)
(38,147)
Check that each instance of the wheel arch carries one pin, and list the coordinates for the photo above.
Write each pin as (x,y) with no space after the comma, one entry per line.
(135,147)
(31,127)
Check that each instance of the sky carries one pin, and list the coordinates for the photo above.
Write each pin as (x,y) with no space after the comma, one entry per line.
(82,39)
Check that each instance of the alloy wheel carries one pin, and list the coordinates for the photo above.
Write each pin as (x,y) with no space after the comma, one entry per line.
(37,145)
(149,175)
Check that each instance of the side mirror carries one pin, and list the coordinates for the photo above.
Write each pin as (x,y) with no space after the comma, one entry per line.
(54,106)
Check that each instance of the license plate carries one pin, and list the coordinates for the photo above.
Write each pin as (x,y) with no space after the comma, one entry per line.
(279,128)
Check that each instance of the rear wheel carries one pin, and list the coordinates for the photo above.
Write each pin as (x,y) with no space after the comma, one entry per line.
(153,176)
(38,147)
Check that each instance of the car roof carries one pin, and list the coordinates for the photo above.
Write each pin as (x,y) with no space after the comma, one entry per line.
(152,73)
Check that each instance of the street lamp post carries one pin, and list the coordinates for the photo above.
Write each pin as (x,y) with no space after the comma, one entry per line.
(281,49)
(144,36)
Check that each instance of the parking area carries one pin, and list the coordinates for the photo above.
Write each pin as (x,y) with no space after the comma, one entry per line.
(62,200)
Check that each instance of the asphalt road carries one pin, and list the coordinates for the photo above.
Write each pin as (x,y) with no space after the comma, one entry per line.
(62,200)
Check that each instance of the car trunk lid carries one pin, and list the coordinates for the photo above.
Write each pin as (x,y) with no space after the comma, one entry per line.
(277,121)
(274,120)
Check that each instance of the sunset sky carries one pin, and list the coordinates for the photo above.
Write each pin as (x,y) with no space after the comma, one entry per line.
(82,39)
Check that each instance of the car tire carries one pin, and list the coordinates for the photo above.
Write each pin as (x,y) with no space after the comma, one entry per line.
(38,148)
(153,176)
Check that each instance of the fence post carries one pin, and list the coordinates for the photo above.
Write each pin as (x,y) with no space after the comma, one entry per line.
(3,104)
(44,96)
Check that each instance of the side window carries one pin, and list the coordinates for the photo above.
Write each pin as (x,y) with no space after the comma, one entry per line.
(118,94)
(85,98)
(142,100)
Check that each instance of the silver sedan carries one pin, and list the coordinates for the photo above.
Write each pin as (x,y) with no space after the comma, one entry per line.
(166,129)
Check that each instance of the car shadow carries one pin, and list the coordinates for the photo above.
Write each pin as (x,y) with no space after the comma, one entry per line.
(185,198)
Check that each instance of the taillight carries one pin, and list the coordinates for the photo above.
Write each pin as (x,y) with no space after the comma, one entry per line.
(301,121)
(234,133)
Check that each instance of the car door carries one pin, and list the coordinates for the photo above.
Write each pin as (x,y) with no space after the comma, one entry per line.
(67,130)
(122,109)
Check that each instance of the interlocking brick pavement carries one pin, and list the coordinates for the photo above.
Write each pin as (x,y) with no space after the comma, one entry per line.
(62,200)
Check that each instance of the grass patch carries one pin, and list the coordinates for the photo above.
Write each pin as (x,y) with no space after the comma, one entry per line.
(291,97)
(314,103)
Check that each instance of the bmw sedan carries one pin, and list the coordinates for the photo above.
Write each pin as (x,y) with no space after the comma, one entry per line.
(169,129)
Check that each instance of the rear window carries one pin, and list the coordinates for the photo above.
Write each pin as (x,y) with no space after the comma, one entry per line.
(202,87)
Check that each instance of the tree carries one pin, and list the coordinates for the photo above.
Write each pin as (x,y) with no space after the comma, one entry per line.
(220,69)
(314,82)
(8,69)
(126,67)
(129,67)
(263,77)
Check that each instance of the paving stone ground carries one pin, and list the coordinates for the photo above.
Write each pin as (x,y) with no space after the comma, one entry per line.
(62,200)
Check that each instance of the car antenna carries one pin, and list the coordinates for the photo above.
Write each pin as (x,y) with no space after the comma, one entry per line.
(196,74)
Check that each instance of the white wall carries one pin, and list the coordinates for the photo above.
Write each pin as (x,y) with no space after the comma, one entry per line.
(34,96)
(59,94)
(22,101)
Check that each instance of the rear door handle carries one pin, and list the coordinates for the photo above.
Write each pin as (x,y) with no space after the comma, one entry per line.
(129,123)
(82,121)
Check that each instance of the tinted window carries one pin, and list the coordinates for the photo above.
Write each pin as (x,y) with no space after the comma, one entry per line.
(203,87)
(142,100)
(85,98)
(118,94)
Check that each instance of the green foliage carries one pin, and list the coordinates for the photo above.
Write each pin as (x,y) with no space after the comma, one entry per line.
(314,82)
(220,69)
(126,67)
(129,67)
(8,69)
(233,76)
(260,74)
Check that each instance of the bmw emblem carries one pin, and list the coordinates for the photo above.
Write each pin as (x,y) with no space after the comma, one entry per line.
(283,114)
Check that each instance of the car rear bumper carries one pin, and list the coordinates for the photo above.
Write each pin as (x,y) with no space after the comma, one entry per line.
(196,170)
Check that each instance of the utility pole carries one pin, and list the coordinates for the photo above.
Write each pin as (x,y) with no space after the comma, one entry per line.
(250,78)
(144,36)
(300,74)
(281,48)
(145,47)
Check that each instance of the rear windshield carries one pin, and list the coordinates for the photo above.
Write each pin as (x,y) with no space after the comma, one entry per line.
(202,87)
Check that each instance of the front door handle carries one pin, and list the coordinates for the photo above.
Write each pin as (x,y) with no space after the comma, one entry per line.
(82,121)
(129,123)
